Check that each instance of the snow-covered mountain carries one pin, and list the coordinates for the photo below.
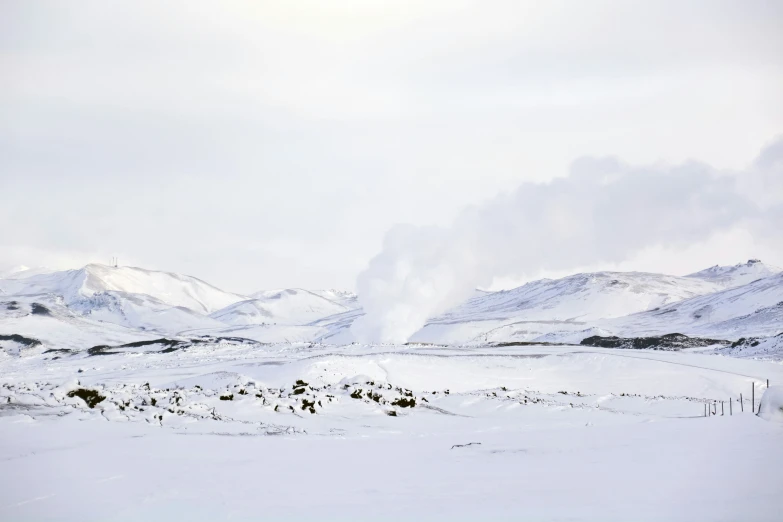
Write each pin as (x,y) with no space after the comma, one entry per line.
(141,311)
(106,305)
(47,320)
(737,275)
(756,347)
(21,271)
(144,302)
(138,299)
(166,287)
(293,306)
(581,297)
(539,307)
(752,309)
(343,297)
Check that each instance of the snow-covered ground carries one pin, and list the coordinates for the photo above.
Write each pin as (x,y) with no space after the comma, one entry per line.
(230,430)
(127,394)
(756,348)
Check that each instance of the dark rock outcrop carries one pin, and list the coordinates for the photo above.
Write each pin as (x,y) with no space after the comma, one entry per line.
(671,342)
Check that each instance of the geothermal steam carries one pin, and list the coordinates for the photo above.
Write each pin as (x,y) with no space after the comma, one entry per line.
(603,211)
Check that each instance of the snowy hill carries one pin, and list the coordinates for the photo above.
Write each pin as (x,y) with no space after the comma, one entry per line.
(132,303)
(543,306)
(47,320)
(166,287)
(21,271)
(737,275)
(581,297)
(343,297)
(756,348)
(138,299)
(752,309)
(98,296)
(293,306)
(141,311)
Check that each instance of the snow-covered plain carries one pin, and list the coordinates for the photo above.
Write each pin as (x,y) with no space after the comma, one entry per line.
(148,398)
(544,433)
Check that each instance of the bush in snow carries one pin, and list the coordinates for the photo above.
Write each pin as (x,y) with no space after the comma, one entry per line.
(91,397)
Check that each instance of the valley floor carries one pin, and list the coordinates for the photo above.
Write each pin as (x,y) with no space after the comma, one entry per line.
(303,432)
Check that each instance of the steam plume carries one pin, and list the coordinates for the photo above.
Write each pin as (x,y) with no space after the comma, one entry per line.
(603,211)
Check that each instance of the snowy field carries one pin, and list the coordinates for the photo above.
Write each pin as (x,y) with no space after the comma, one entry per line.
(230,431)
(130,394)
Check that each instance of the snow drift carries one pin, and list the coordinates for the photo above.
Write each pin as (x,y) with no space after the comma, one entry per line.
(771,407)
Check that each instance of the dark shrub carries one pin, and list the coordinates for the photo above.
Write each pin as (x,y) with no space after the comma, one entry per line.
(91,397)
(402,402)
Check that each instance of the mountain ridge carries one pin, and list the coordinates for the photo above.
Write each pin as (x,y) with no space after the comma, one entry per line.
(736,275)
(169,287)
(714,302)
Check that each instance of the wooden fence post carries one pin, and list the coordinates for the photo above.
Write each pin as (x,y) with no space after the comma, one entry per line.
(742,405)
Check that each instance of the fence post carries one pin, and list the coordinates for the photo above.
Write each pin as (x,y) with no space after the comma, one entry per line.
(730,408)
(742,405)
(753,398)
(721,408)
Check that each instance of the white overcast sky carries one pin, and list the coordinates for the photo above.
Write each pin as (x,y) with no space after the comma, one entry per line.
(272,144)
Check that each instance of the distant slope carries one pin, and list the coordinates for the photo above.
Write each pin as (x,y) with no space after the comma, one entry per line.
(336,329)
(770,348)
(57,327)
(547,305)
(105,305)
(142,312)
(737,275)
(23,271)
(166,287)
(292,307)
(752,309)
(343,297)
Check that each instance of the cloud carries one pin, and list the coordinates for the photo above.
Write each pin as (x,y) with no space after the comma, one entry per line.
(604,211)
(200,140)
